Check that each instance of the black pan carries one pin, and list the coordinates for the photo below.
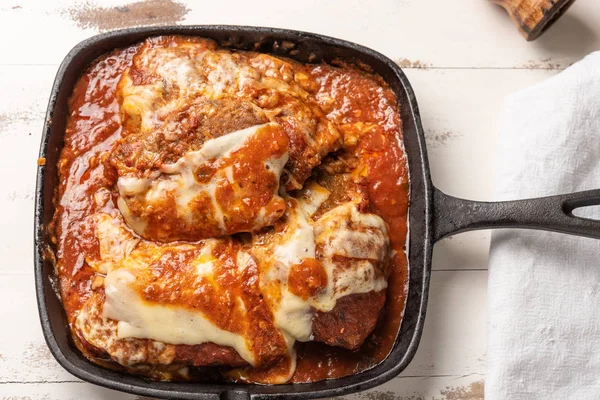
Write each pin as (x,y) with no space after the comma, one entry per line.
(433,215)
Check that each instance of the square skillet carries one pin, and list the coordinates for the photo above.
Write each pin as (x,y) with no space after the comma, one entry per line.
(433,214)
(306,48)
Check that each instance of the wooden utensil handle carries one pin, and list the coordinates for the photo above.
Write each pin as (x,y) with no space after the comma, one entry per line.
(533,17)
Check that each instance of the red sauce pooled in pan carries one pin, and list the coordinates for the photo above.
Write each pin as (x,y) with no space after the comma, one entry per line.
(354,154)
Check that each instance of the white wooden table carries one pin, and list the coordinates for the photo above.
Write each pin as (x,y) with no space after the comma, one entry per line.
(462,58)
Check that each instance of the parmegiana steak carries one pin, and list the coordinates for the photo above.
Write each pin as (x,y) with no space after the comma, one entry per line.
(231,215)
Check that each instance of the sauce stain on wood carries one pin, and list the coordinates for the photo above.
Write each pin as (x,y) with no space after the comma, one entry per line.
(6,118)
(383,395)
(38,354)
(417,64)
(151,12)
(437,139)
(18,196)
(9,118)
(474,391)
(546,63)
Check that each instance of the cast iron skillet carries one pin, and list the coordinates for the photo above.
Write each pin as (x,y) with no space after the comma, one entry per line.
(433,215)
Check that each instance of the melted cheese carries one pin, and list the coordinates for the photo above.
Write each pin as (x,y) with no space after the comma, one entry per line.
(131,185)
(138,318)
(298,244)
(102,333)
(360,237)
(205,262)
(115,242)
(361,278)
(137,224)
(214,148)
(343,231)
(312,196)
(178,180)
(293,315)
(175,325)
(182,73)
(141,101)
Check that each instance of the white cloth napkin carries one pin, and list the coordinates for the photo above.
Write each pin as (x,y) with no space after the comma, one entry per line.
(544,288)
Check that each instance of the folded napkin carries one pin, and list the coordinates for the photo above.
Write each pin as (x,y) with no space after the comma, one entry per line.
(544,288)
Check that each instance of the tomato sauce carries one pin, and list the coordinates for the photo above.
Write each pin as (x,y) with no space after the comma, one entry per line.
(364,108)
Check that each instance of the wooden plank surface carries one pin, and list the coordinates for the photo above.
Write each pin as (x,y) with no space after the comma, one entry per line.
(462,58)
(431,33)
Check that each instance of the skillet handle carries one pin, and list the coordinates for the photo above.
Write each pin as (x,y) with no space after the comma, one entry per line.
(553,213)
